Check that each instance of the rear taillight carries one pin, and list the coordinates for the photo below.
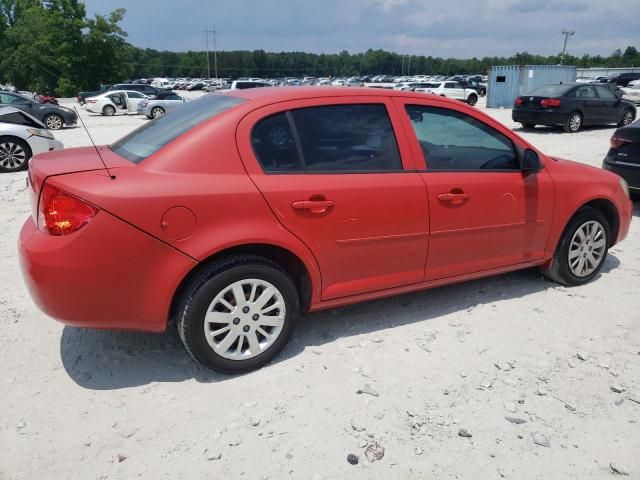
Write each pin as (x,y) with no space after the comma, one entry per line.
(92,101)
(617,142)
(518,101)
(60,213)
(550,102)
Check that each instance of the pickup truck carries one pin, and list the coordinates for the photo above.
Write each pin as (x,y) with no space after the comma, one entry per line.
(453,90)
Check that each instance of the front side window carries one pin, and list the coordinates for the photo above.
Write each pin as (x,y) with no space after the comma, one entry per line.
(606,94)
(135,95)
(451,140)
(347,138)
(151,137)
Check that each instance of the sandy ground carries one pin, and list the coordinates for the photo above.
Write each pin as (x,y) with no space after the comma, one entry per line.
(82,404)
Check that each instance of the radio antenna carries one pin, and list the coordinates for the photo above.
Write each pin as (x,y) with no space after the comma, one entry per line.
(112,177)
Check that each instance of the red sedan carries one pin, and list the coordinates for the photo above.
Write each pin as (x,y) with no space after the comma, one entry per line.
(233,215)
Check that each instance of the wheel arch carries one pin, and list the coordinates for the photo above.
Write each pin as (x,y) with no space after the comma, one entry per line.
(610,212)
(283,257)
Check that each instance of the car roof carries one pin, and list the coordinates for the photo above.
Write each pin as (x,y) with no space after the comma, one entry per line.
(268,95)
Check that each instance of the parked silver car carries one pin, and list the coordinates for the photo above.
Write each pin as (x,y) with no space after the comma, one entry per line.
(160,104)
(21,137)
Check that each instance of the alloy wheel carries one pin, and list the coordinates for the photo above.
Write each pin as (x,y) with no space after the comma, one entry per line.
(156,112)
(574,122)
(54,122)
(12,156)
(587,249)
(627,118)
(245,319)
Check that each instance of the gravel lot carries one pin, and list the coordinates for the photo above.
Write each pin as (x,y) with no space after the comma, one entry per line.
(562,364)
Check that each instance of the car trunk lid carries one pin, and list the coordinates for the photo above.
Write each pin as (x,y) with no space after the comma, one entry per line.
(73,160)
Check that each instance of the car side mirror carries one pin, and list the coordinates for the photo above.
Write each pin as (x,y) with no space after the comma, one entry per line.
(530,162)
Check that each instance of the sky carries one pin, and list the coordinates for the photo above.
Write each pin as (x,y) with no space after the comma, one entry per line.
(440,28)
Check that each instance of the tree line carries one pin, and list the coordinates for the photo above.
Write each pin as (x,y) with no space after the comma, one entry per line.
(52,46)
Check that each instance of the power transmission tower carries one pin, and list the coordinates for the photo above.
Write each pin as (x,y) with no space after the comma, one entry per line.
(206,31)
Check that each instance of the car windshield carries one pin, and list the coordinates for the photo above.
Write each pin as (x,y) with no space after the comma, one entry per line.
(150,138)
(551,90)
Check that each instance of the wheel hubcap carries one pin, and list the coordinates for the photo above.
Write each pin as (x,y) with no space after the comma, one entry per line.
(12,156)
(587,249)
(54,122)
(628,117)
(245,319)
(574,124)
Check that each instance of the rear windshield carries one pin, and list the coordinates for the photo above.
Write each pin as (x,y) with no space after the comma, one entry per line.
(150,138)
(551,90)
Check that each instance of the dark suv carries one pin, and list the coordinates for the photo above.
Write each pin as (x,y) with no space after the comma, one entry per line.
(623,79)
(138,87)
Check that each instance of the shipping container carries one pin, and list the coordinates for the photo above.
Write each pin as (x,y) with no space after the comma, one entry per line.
(510,81)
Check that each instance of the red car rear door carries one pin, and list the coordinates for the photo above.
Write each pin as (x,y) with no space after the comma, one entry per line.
(484,212)
(337,175)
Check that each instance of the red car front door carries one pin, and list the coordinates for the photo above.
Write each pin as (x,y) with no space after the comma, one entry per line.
(484,212)
(337,176)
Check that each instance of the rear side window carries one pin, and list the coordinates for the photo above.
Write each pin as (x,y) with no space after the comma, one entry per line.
(347,138)
(274,145)
(451,140)
(336,138)
(151,137)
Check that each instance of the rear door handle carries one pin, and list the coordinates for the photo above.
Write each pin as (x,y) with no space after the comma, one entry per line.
(314,206)
(453,197)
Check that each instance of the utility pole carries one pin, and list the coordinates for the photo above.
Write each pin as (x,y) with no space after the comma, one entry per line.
(409,65)
(567,34)
(206,31)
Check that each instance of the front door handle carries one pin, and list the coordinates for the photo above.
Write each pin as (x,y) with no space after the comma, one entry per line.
(454,198)
(314,206)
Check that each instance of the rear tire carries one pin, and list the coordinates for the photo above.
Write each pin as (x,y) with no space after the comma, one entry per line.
(14,154)
(627,118)
(157,112)
(473,99)
(211,304)
(563,268)
(109,111)
(573,123)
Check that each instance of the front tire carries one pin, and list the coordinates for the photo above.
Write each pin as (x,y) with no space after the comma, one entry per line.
(53,121)
(574,123)
(14,154)
(582,249)
(239,314)
(473,99)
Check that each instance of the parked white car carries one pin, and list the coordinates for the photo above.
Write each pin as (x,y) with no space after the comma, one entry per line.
(453,90)
(632,93)
(245,84)
(21,137)
(115,101)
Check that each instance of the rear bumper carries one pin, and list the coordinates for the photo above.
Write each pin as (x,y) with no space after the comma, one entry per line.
(539,117)
(107,275)
(627,170)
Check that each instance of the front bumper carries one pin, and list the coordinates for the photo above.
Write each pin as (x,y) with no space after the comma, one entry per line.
(107,275)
